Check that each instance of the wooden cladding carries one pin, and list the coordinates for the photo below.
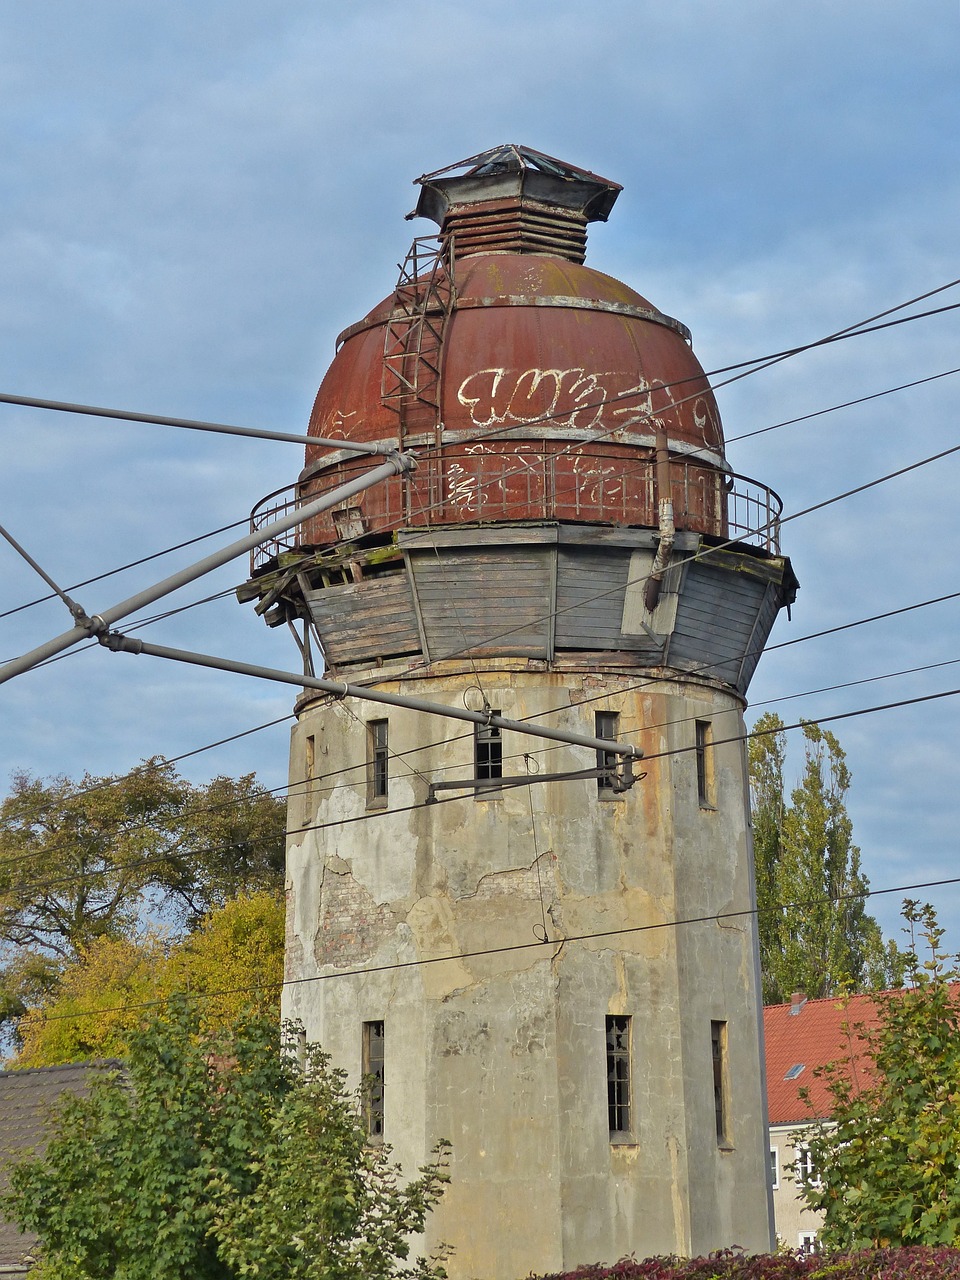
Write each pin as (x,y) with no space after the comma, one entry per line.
(542,591)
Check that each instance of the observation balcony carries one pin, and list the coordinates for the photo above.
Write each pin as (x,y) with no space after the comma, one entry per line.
(525,481)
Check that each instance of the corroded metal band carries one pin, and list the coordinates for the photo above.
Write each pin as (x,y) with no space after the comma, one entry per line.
(532,300)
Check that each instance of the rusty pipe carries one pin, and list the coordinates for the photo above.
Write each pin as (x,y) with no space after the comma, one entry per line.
(651,592)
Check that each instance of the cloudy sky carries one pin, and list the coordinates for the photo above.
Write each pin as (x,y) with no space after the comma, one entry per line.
(199,197)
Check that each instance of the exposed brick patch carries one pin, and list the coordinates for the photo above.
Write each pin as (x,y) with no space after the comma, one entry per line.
(352,925)
(519,883)
(292,947)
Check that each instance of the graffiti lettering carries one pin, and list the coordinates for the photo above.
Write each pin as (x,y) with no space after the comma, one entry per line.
(463,489)
(565,397)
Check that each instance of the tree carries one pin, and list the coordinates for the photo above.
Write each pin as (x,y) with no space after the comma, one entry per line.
(77,858)
(766,752)
(81,863)
(232,961)
(217,1157)
(815,933)
(230,842)
(889,1158)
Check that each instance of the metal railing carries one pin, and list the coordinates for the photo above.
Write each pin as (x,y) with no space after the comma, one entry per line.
(530,483)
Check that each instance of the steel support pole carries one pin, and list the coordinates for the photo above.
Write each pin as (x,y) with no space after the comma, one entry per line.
(256,433)
(100,623)
(133,644)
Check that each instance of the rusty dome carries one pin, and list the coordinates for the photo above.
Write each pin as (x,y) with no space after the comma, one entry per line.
(530,386)
(533,384)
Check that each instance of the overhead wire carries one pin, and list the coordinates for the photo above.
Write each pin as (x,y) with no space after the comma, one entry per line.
(793,516)
(730,542)
(807,511)
(648,681)
(847,404)
(133,564)
(747,735)
(482,952)
(827,631)
(374,814)
(761,363)
(853,330)
(424,510)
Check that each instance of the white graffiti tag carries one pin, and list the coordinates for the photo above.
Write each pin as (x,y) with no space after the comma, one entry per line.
(564,397)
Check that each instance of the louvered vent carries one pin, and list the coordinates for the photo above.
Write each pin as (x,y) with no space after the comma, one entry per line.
(515,200)
(516,226)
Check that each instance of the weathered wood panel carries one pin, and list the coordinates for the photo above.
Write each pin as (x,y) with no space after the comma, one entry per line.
(528,591)
(363,620)
(485,599)
(495,536)
(591,584)
(717,619)
(772,603)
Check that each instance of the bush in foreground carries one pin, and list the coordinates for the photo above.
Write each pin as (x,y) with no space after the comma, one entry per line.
(217,1156)
(870,1264)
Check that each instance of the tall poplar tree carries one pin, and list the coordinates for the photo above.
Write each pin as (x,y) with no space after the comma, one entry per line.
(815,933)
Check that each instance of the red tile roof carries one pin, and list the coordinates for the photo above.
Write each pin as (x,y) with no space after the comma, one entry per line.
(808,1035)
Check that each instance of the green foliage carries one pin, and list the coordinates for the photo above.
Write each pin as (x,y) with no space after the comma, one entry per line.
(815,933)
(96,1005)
(81,863)
(76,858)
(218,1157)
(889,1161)
(766,759)
(233,960)
(230,842)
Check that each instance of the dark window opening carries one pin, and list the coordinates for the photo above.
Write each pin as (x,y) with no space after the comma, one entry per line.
(378,762)
(607,725)
(488,752)
(373,1079)
(618,1074)
(718,1046)
(309,776)
(704,755)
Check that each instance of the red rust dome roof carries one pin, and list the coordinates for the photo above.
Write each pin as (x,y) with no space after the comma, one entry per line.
(519,374)
(535,340)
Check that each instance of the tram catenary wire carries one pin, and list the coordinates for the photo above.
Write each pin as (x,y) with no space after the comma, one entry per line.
(393,811)
(761,362)
(646,682)
(625,931)
(785,519)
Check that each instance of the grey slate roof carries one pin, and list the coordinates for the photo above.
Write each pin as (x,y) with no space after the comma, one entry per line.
(27,1099)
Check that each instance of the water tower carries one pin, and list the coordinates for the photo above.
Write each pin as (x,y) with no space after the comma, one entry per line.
(542,968)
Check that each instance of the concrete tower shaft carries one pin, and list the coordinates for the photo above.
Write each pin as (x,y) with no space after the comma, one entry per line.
(501,936)
(553,969)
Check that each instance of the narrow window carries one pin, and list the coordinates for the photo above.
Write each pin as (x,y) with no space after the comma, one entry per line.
(309,775)
(607,725)
(618,1075)
(704,754)
(718,1046)
(487,752)
(373,1080)
(808,1242)
(378,763)
(774,1168)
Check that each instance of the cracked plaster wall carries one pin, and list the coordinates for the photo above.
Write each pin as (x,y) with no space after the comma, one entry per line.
(503,1053)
